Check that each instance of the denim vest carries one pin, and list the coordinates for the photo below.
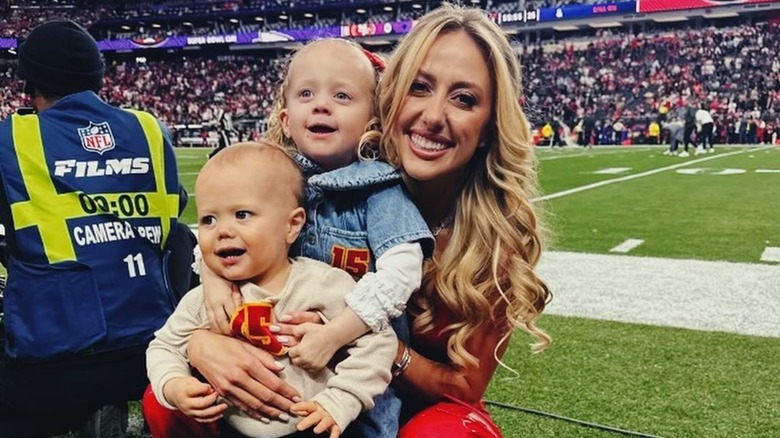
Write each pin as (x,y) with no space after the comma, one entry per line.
(355,214)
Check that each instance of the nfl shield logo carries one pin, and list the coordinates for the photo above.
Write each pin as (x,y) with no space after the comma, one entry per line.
(97,137)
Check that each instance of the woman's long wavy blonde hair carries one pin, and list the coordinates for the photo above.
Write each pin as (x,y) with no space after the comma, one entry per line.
(494,218)
(368,145)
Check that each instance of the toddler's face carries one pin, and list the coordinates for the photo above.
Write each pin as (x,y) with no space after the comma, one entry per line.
(329,102)
(244,220)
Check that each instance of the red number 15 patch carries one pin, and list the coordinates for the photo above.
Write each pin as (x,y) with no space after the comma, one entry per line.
(352,260)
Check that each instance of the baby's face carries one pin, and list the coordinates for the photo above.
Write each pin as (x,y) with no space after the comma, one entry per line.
(244,220)
(330,96)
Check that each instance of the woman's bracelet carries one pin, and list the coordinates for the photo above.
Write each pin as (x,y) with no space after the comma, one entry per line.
(400,366)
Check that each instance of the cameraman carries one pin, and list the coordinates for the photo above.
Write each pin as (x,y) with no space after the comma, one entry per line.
(91,198)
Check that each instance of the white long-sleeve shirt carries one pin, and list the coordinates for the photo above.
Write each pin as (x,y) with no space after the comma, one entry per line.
(702,117)
(383,294)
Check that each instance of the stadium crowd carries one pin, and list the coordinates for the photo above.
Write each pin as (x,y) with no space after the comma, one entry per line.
(634,80)
(616,84)
(130,19)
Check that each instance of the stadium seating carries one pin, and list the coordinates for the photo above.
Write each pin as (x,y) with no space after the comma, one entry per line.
(610,75)
(150,19)
(734,71)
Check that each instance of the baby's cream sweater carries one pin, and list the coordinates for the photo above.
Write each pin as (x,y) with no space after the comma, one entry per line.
(312,285)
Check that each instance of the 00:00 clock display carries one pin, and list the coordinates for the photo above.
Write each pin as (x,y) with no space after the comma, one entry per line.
(126,205)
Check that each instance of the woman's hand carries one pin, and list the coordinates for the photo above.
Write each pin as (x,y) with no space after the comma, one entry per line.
(243,374)
(285,326)
(221,298)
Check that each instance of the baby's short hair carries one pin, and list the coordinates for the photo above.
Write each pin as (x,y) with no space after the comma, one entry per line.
(263,149)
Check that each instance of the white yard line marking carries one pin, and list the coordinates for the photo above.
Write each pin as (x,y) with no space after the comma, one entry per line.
(767,170)
(612,170)
(635,176)
(711,171)
(627,246)
(558,157)
(771,254)
(705,295)
(547,156)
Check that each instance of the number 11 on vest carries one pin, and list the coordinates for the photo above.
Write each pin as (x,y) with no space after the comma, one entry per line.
(135,265)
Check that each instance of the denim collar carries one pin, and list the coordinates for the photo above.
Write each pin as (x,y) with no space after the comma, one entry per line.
(358,174)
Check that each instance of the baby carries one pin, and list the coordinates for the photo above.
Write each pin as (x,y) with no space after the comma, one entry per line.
(250,211)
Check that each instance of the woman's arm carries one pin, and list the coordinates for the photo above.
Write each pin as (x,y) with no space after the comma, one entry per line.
(245,375)
(432,380)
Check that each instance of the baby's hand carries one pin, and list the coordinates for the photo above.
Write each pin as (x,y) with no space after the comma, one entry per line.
(221,298)
(316,416)
(194,398)
(315,349)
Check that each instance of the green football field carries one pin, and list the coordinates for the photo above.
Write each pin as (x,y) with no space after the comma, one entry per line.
(645,379)
(656,380)
(639,378)
(721,206)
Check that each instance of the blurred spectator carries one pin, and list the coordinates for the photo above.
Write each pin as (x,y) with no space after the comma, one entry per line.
(705,125)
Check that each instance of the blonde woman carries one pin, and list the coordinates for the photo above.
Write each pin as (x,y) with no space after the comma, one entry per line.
(448,105)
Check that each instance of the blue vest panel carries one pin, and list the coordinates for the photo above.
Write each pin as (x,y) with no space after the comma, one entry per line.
(93,194)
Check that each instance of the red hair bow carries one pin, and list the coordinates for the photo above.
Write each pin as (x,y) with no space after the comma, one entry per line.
(376,61)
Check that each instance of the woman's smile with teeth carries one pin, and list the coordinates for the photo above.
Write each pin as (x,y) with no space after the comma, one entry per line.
(428,145)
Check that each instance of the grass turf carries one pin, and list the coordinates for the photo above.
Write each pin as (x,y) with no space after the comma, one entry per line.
(660,381)
(656,380)
(700,216)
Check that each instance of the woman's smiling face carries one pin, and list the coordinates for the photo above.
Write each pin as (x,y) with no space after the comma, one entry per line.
(443,117)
